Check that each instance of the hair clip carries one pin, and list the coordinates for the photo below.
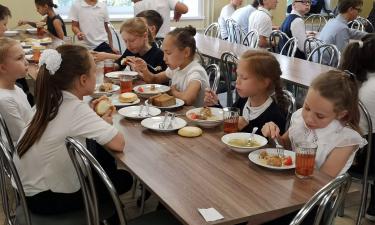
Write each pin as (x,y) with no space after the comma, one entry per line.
(52,59)
(351,75)
(360,43)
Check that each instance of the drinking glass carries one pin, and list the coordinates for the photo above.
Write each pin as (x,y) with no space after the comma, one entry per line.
(231,116)
(126,83)
(305,158)
(108,66)
(40,29)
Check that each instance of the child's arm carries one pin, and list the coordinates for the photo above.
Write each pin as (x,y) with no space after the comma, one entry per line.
(210,98)
(77,31)
(24,22)
(336,160)
(100,56)
(58,27)
(140,66)
(271,130)
(180,9)
(117,143)
(190,94)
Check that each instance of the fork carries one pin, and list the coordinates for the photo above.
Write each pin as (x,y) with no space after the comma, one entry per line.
(280,149)
(170,125)
(147,109)
(162,124)
(140,110)
(156,68)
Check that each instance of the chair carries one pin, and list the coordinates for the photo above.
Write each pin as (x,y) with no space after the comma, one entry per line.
(275,38)
(328,199)
(316,22)
(356,24)
(213,72)
(118,43)
(234,30)
(326,54)
(251,39)
(201,59)
(310,44)
(290,47)
(213,30)
(291,107)
(159,42)
(369,27)
(5,135)
(229,66)
(84,163)
(19,214)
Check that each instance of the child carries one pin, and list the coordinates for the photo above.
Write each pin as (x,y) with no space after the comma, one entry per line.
(153,19)
(189,79)
(261,21)
(90,24)
(258,77)
(225,13)
(242,15)
(330,118)
(358,57)
(55,24)
(49,179)
(4,17)
(14,107)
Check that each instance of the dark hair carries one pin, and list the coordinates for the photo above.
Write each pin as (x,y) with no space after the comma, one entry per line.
(152,17)
(260,2)
(341,89)
(48,91)
(264,65)
(4,12)
(46,2)
(359,58)
(185,38)
(344,5)
(255,3)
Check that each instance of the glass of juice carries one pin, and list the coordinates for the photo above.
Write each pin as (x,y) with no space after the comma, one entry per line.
(108,66)
(126,83)
(231,116)
(37,51)
(40,29)
(305,158)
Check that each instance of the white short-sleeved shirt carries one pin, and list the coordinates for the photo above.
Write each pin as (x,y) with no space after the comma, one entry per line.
(297,27)
(47,165)
(225,13)
(261,21)
(163,7)
(15,110)
(366,95)
(242,15)
(91,21)
(328,138)
(182,78)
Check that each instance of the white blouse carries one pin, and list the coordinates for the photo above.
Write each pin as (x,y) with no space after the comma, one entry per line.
(333,136)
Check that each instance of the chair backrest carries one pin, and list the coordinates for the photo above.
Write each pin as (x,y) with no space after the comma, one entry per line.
(292,107)
(356,24)
(8,173)
(234,30)
(310,44)
(315,22)
(326,54)
(228,65)
(84,162)
(159,42)
(328,199)
(290,47)
(276,37)
(251,39)
(118,43)
(213,72)
(369,27)
(5,135)
(213,30)
(201,59)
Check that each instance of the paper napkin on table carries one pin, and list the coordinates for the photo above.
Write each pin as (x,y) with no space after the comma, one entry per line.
(210,214)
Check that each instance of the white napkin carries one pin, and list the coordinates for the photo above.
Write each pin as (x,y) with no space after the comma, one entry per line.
(210,214)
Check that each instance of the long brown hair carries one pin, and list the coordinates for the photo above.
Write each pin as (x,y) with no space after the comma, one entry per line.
(138,27)
(48,91)
(341,89)
(264,65)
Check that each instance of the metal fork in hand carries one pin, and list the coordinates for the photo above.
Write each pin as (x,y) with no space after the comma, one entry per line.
(156,68)
(280,148)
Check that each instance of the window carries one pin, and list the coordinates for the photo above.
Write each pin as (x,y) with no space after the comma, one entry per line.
(120,9)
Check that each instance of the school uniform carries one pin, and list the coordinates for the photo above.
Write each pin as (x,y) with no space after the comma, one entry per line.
(261,21)
(51,27)
(225,13)
(154,57)
(242,15)
(192,72)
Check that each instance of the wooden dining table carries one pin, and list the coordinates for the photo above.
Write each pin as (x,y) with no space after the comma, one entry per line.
(190,173)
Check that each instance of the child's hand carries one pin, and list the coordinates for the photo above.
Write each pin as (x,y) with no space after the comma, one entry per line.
(108,116)
(99,56)
(22,22)
(177,16)
(210,98)
(271,130)
(138,65)
(80,36)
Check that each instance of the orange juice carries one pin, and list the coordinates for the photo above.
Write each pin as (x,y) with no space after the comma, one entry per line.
(231,116)
(126,83)
(305,158)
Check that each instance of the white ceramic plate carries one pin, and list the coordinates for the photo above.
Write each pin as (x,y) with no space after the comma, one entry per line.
(210,122)
(98,93)
(32,30)
(179,103)
(241,135)
(254,157)
(26,45)
(132,112)
(116,74)
(10,33)
(116,101)
(145,91)
(152,123)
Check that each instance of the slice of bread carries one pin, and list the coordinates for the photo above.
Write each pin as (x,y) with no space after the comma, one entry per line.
(127,97)
(190,132)
(103,106)
(162,100)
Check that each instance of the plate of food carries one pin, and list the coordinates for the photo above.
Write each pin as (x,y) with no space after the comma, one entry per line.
(148,90)
(206,117)
(11,33)
(116,74)
(125,99)
(26,45)
(165,101)
(154,123)
(270,159)
(239,142)
(139,112)
(42,41)
(32,30)
(105,89)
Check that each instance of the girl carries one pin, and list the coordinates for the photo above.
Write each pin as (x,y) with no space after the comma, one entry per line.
(258,77)
(139,41)
(14,107)
(189,79)
(358,58)
(47,174)
(4,17)
(55,24)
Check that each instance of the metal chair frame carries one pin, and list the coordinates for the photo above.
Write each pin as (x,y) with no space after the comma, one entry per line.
(213,70)
(310,44)
(292,107)
(251,39)
(290,47)
(234,30)
(213,30)
(329,198)
(4,128)
(116,36)
(316,21)
(201,59)
(326,50)
(275,38)
(357,25)
(228,64)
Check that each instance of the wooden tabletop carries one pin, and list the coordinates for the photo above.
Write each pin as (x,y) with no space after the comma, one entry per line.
(297,71)
(191,173)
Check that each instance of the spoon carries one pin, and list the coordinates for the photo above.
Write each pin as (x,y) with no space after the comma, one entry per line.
(252,135)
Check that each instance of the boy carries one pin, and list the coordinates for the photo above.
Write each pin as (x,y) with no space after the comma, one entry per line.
(153,19)
(225,13)
(90,24)
(242,15)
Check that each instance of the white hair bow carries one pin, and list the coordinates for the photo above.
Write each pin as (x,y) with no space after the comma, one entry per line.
(52,59)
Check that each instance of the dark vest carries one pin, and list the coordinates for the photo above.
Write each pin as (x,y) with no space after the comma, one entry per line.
(285,27)
(50,26)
